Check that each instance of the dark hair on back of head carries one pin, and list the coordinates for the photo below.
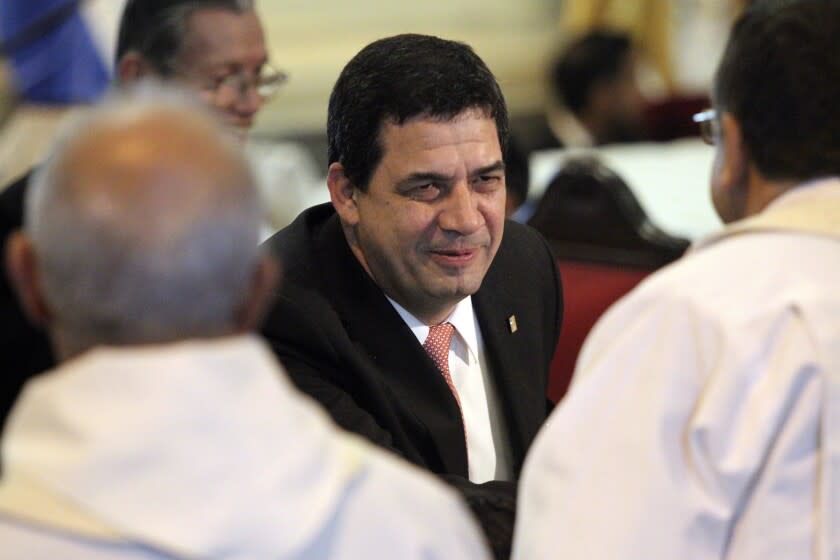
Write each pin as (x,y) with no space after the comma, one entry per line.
(155,29)
(596,57)
(398,78)
(780,78)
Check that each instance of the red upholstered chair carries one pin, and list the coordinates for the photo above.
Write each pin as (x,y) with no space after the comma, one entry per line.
(605,245)
(589,288)
(670,118)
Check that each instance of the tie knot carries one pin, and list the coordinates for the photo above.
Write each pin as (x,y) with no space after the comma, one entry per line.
(437,344)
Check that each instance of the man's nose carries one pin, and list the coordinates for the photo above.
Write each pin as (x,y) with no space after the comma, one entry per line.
(249,100)
(460,212)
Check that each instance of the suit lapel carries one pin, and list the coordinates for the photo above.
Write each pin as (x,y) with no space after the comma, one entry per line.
(380,333)
(508,331)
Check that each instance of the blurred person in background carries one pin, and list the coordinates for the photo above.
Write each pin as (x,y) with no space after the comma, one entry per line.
(594,99)
(678,43)
(596,84)
(216,48)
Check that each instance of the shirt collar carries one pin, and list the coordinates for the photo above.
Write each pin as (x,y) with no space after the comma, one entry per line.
(823,188)
(462,318)
(811,207)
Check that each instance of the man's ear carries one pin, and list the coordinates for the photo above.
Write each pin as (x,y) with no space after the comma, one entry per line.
(735,161)
(25,277)
(132,67)
(260,294)
(343,195)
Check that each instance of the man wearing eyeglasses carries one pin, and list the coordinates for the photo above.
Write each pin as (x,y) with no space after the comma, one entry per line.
(704,418)
(213,47)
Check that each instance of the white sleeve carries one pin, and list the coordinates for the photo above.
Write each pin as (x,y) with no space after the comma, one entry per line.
(666,425)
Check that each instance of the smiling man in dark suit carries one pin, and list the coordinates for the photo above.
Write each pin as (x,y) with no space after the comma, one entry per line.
(410,309)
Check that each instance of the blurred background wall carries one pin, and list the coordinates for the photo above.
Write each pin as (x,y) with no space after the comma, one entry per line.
(313,39)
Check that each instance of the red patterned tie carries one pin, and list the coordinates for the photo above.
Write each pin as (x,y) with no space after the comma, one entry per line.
(437,346)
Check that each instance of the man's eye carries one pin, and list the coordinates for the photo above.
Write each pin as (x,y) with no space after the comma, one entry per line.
(429,191)
(488,181)
(219,81)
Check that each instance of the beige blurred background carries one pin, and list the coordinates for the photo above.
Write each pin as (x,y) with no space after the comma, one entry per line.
(313,39)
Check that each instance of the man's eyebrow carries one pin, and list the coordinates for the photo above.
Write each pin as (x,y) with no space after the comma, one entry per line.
(487,169)
(232,64)
(423,177)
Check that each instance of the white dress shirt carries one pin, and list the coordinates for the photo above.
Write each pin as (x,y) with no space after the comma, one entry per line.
(703,421)
(488,450)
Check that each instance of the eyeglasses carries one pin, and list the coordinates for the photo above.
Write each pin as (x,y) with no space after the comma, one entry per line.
(266,83)
(708,125)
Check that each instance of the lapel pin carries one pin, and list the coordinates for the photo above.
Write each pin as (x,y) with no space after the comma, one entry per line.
(512,323)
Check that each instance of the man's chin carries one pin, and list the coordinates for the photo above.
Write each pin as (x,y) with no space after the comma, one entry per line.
(239,132)
(456,289)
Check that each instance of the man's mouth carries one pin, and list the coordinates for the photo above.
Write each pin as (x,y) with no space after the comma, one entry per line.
(454,258)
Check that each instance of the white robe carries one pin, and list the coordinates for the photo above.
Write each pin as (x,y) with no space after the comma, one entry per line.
(203,449)
(703,419)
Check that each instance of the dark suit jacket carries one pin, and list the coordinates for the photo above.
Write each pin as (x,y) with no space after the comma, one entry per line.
(344,344)
(24,349)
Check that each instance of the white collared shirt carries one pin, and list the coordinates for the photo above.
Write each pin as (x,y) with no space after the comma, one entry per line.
(487,444)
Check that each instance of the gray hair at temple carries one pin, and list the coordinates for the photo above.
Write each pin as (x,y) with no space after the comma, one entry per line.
(145,223)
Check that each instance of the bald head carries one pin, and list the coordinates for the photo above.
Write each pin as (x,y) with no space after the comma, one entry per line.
(149,165)
(142,228)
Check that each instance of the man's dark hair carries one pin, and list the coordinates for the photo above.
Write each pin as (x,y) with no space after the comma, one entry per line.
(155,29)
(780,78)
(400,77)
(594,58)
